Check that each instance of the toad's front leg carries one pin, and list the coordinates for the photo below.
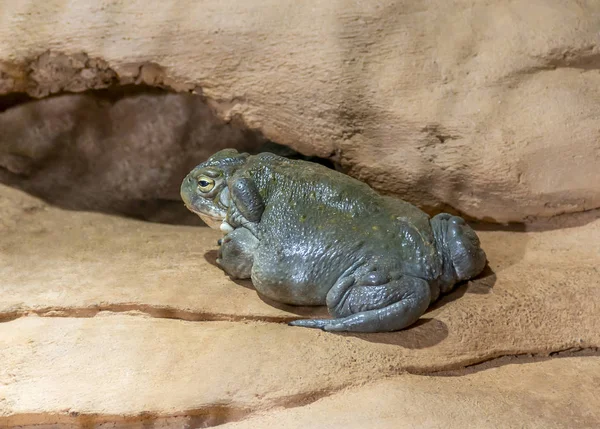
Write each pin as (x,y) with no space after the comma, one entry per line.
(247,210)
(236,254)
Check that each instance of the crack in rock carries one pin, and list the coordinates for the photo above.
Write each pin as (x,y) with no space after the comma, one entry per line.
(497,361)
(143,310)
(196,418)
(204,417)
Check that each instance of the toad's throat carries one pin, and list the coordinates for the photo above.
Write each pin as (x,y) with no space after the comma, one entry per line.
(216,223)
(213,221)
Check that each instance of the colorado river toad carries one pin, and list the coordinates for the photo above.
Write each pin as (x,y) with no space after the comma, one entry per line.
(309,235)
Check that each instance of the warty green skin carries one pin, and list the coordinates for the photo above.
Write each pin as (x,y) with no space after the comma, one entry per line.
(309,235)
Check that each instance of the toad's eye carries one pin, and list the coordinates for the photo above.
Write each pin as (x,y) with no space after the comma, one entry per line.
(205,184)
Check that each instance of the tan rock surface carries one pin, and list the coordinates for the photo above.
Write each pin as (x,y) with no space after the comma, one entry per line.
(118,368)
(489,107)
(561,393)
(123,365)
(541,293)
(229,359)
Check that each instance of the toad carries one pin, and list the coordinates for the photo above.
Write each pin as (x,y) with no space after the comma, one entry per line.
(306,234)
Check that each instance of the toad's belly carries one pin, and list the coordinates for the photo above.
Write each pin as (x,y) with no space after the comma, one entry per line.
(297,284)
(300,278)
(291,292)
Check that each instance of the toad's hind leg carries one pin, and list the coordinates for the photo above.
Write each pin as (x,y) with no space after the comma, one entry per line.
(374,303)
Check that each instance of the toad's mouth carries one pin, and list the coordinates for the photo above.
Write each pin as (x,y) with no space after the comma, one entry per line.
(213,221)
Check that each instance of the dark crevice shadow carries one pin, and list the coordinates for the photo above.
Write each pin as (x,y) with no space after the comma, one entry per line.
(564,221)
(538,224)
(12,99)
(209,416)
(479,225)
(512,359)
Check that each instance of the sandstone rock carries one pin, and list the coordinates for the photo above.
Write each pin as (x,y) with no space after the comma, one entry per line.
(489,109)
(123,366)
(112,351)
(118,369)
(556,393)
(541,293)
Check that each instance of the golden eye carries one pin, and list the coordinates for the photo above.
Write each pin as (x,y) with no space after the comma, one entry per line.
(205,184)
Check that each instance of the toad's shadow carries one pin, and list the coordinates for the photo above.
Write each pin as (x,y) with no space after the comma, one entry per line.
(422,334)
(426,332)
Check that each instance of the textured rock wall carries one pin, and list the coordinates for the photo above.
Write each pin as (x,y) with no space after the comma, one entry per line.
(489,108)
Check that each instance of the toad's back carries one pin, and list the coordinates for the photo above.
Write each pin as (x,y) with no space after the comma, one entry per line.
(319,223)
